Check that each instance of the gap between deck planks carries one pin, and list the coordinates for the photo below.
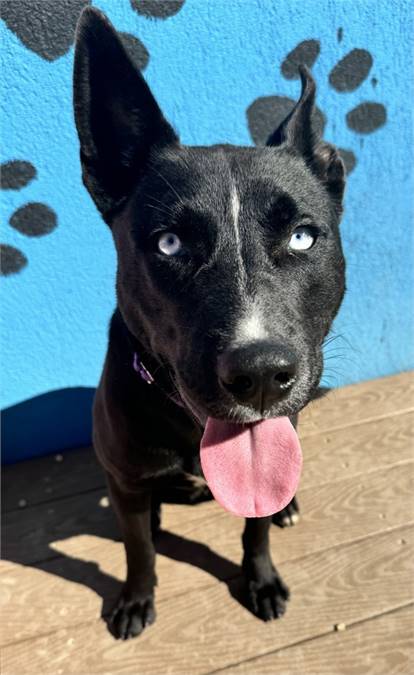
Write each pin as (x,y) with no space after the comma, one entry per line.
(353,511)
(382,645)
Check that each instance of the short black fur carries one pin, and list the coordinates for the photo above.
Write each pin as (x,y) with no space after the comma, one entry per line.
(235,303)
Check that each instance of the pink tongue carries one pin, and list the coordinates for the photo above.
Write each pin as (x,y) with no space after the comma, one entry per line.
(253,470)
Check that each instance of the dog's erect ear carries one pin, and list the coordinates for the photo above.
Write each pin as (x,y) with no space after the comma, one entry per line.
(118,120)
(297,133)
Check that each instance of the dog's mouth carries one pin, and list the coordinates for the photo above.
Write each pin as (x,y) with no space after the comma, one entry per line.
(252,466)
(252,461)
(242,414)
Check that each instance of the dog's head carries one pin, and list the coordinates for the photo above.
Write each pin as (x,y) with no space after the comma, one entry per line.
(230,266)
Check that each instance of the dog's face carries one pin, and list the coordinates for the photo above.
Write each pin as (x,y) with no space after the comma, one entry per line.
(230,266)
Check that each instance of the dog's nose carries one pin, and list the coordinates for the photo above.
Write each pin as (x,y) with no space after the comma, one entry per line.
(258,374)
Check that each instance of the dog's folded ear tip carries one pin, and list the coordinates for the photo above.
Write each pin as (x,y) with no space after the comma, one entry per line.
(306,77)
(303,70)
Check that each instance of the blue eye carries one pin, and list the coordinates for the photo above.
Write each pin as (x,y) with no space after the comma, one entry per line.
(302,239)
(169,244)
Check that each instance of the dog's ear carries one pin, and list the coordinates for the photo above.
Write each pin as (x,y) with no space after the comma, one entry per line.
(297,132)
(118,120)
(330,169)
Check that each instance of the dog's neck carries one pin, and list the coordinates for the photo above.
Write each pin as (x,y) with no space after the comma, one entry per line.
(142,362)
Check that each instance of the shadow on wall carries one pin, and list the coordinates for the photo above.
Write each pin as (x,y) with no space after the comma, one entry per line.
(26,429)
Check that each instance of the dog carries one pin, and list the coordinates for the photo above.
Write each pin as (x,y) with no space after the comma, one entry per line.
(230,273)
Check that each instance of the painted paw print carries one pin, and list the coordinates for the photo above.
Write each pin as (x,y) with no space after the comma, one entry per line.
(265,113)
(50,34)
(157,9)
(34,219)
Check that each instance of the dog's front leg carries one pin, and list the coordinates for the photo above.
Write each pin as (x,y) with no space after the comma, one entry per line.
(267,594)
(135,607)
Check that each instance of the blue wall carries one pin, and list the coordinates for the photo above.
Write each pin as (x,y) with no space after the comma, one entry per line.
(219,71)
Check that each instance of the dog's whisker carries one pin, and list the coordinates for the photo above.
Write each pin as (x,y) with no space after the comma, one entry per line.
(158,201)
(347,341)
(158,208)
(330,339)
(167,182)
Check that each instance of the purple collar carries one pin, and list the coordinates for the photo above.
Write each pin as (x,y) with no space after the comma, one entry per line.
(141,370)
(148,378)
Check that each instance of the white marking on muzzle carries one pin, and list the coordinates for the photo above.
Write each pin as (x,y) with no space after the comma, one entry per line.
(251,327)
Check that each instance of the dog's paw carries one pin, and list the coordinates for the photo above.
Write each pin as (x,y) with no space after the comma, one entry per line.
(288,516)
(268,597)
(131,614)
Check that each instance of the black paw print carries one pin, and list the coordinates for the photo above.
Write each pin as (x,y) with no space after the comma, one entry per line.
(48,27)
(157,9)
(267,112)
(34,219)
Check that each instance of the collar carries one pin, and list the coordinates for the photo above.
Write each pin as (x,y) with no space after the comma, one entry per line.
(139,367)
(144,373)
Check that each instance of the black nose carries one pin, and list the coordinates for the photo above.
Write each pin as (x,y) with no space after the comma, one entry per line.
(259,374)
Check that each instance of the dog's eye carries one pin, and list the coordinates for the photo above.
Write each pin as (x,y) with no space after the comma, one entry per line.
(169,244)
(302,239)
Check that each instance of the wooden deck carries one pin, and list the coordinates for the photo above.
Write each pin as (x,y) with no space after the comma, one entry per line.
(349,562)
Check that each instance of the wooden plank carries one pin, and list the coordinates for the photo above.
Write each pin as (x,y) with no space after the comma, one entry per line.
(207,629)
(358,403)
(195,553)
(356,451)
(77,523)
(28,535)
(381,646)
(43,479)
(52,477)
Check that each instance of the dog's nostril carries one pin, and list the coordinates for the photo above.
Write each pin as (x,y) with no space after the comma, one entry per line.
(243,383)
(240,384)
(284,379)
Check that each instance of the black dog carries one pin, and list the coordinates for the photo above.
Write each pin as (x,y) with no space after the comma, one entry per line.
(230,272)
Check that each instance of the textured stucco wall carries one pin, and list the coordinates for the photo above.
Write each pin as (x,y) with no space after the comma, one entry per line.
(219,69)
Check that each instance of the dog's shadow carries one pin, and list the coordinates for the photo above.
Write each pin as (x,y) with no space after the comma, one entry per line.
(29,538)
(48,556)
(184,550)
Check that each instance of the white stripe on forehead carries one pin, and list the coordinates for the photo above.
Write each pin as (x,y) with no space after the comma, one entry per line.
(235,208)
(235,211)
(250,326)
